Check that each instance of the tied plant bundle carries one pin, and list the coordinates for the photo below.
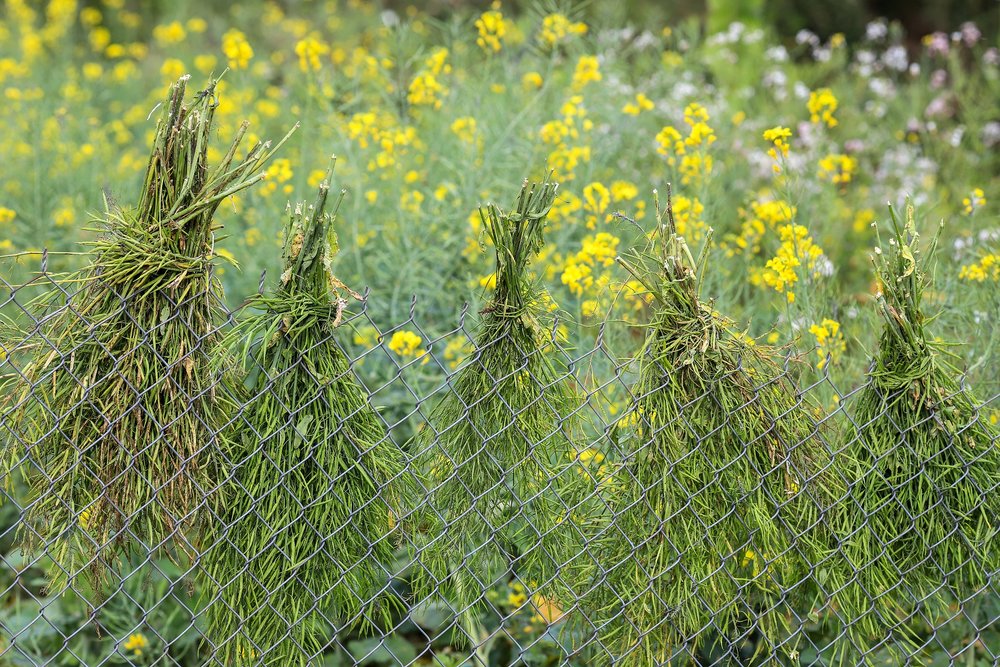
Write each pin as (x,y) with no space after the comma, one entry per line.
(115,411)
(920,529)
(713,500)
(305,542)
(493,452)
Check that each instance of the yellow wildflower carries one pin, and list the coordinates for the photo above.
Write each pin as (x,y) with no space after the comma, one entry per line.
(830,343)
(623,191)
(64,216)
(557,28)
(975,201)
(778,136)
(669,140)
(596,200)
(695,113)
(310,50)
(426,90)
(237,49)
(587,69)
(172,33)
(457,350)
(172,69)
(465,129)
(492,29)
(641,103)
(531,81)
(135,643)
(695,168)
(407,344)
(411,201)
(701,134)
(822,104)
(837,168)
(987,268)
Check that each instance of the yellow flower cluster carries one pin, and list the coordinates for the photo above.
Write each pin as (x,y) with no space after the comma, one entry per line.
(830,343)
(310,50)
(687,216)
(411,201)
(135,643)
(751,558)
(822,104)
(862,220)
(84,518)
(279,173)
(778,136)
(65,215)
(557,28)
(531,80)
(426,89)
(596,200)
(565,135)
(407,344)
(372,128)
(781,271)
(169,34)
(987,268)
(695,167)
(237,49)
(458,350)
(975,201)
(590,463)
(695,162)
(641,103)
(492,29)
(465,129)
(588,69)
(595,251)
(837,168)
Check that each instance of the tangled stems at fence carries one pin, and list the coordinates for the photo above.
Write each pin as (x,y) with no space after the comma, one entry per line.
(309,512)
(493,455)
(711,505)
(919,527)
(118,402)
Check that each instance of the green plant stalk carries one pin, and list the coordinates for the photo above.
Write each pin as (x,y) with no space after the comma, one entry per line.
(919,529)
(310,511)
(493,455)
(112,416)
(713,504)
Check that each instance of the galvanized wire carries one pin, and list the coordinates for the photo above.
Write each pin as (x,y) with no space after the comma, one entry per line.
(150,592)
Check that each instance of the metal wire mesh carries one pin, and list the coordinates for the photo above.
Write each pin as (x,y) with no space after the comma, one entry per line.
(150,611)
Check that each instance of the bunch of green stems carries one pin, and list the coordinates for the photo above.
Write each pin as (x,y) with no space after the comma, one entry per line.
(112,414)
(713,507)
(310,510)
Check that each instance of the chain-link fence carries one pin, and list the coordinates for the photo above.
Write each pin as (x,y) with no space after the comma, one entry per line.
(218,518)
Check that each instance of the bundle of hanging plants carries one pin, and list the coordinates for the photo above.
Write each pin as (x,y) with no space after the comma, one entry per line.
(713,503)
(305,542)
(494,454)
(112,414)
(919,529)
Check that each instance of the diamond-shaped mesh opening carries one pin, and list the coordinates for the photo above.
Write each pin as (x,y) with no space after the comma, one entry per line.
(132,596)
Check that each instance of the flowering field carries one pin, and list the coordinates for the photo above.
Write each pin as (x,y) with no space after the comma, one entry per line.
(782,158)
(789,153)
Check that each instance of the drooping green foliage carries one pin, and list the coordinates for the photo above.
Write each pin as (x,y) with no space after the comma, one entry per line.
(310,510)
(117,399)
(494,454)
(713,500)
(921,520)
